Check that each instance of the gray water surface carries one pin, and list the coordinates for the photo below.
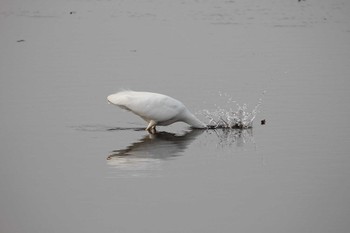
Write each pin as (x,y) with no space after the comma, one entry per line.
(69,162)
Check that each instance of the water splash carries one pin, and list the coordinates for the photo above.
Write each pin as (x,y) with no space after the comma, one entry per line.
(238,138)
(236,117)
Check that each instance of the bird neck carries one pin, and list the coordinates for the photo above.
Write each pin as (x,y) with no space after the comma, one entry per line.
(193,121)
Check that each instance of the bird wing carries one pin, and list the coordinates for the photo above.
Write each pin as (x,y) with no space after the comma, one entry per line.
(152,106)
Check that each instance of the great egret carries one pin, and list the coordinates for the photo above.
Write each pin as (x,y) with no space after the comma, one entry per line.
(154,108)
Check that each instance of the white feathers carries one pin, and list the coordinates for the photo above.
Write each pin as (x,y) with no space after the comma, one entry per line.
(154,108)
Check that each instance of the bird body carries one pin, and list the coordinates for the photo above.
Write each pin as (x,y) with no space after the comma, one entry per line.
(154,108)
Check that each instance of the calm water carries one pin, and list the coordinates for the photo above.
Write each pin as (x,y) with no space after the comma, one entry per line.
(69,162)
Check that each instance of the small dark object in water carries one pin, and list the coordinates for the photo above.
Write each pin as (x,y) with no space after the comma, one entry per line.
(263,122)
(20,40)
(72,12)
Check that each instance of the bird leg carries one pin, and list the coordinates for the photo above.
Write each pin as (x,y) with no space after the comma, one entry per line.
(151,128)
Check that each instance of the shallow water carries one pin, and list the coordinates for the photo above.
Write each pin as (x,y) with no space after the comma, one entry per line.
(72,163)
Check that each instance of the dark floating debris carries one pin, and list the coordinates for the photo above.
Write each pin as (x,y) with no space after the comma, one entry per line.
(263,122)
(72,12)
(19,41)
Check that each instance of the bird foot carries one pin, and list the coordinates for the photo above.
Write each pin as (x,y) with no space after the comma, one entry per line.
(151,128)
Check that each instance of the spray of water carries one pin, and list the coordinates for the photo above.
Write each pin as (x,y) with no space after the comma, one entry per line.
(235,116)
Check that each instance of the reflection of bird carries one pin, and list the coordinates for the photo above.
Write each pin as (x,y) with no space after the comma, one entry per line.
(154,108)
(153,148)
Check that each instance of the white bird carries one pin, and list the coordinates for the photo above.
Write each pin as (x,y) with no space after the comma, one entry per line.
(154,108)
